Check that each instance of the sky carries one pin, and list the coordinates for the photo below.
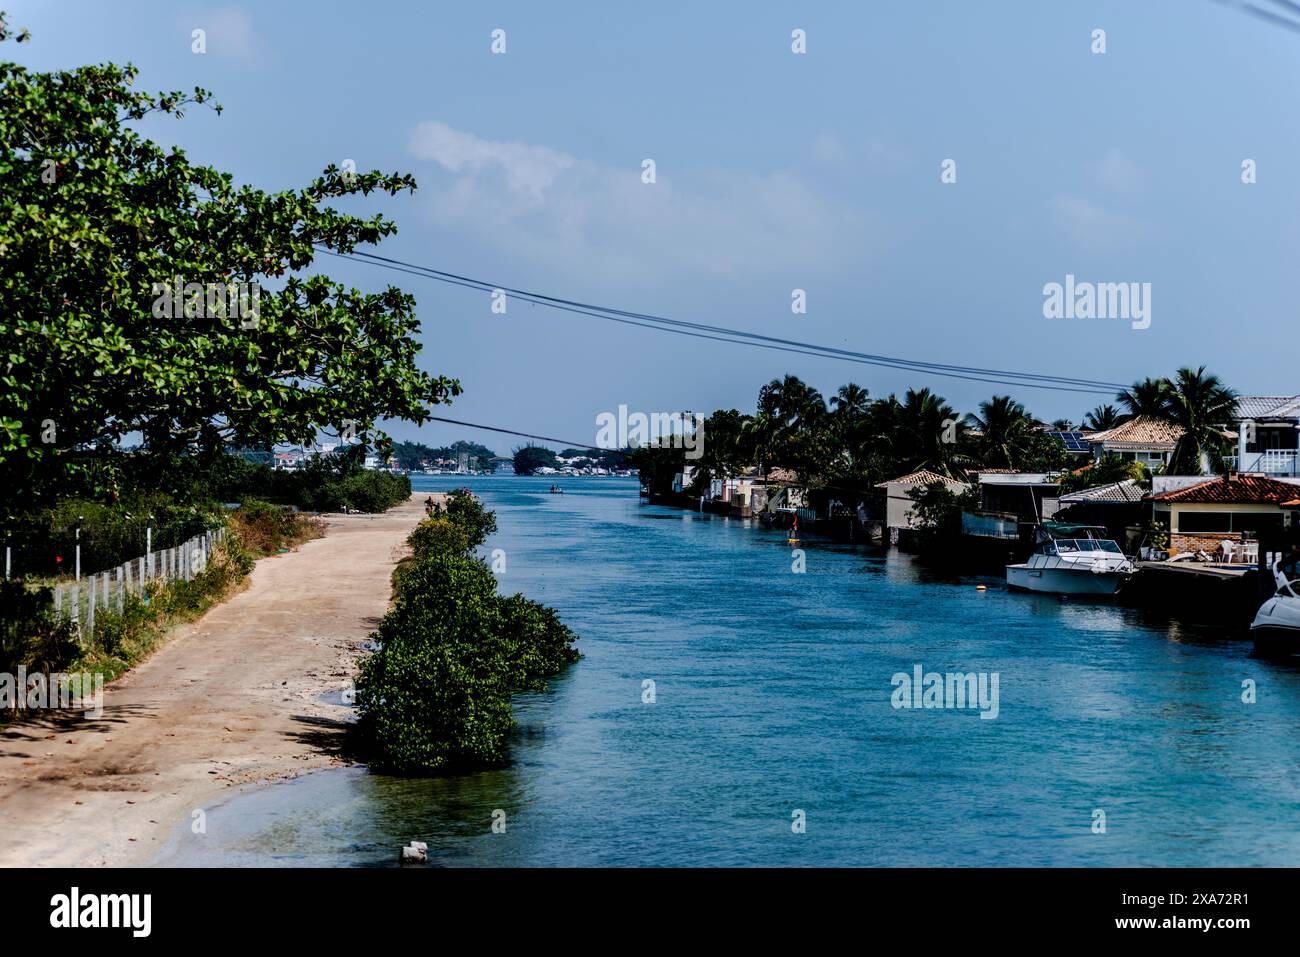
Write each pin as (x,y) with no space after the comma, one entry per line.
(774,171)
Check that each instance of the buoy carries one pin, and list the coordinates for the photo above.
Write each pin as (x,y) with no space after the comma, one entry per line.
(981,588)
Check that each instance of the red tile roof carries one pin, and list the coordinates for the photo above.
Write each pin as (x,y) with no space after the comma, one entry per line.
(1241,490)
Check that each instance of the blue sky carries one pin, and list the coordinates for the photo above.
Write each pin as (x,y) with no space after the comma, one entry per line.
(775,171)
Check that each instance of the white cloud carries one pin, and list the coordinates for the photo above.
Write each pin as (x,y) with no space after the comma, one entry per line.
(1093,225)
(567,213)
(528,169)
(1117,173)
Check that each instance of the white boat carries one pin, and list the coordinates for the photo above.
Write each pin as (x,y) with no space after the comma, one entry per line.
(1276,628)
(1072,560)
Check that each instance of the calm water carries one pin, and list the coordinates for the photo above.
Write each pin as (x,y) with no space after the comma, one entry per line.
(773,695)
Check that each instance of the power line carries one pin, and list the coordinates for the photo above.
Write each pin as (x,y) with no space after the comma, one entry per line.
(525,435)
(740,337)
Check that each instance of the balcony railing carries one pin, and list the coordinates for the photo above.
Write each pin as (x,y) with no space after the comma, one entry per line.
(1269,462)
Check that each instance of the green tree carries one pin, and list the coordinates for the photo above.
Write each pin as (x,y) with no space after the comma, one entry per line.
(1147,397)
(1006,432)
(722,450)
(1106,471)
(530,458)
(466,512)
(98,224)
(1102,418)
(922,432)
(1201,405)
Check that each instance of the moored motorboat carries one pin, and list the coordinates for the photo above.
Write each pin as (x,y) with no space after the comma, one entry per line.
(1072,560)
(1276,628)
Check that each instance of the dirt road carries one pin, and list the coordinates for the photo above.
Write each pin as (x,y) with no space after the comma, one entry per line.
(235,699)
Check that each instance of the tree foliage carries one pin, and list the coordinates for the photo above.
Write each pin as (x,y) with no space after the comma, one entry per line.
(436,695)
(96,220)
(530,458)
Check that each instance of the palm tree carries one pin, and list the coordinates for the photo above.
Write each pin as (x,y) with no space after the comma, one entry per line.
(1006,428)
(1201,405)
(1109,469)
(1144,398)
(851,400)
(793,402)
(921,432)
(1062,425)
(758,433)
(1101,419)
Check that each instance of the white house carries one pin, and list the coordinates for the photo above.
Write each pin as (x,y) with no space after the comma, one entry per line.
(1143,439)
(898,503)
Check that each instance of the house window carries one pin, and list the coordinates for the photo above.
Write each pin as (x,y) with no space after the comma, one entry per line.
(1256,521)
(1209,523)
(1204,522)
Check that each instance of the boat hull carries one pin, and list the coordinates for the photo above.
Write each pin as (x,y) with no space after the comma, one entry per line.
(1276,628)
(1272,641)
(1065,581)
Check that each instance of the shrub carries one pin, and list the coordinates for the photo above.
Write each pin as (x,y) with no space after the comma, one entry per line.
(110,533)
(468,512)
(29,633)
(436,694)
(435,536)
(540,645)
(264,529)
(362,492)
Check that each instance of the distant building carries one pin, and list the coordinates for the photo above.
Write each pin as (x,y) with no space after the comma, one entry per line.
(1143,439)
(1204,514)
(1269,429)
(899,504)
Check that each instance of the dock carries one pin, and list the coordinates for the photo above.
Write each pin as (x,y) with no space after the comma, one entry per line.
(1227,594)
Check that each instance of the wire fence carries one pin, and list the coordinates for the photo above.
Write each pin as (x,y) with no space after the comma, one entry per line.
(78,601)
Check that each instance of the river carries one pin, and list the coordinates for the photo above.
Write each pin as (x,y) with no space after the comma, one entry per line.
(1120,738)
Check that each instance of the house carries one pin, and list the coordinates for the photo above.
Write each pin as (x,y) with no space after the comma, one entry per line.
(782,492)
(1268,435)
(1143,439)
(1204,514)
(683,479)
(898,503)
(1030,495)
(1117,507)
(1009,498)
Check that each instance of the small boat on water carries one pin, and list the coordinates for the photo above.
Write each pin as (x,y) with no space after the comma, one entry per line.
(1276,628)
(556,490)
(1072,560)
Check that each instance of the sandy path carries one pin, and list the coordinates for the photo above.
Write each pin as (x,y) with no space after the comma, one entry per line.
(233,699)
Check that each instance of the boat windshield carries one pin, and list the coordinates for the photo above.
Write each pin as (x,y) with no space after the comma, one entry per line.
(1067,545)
